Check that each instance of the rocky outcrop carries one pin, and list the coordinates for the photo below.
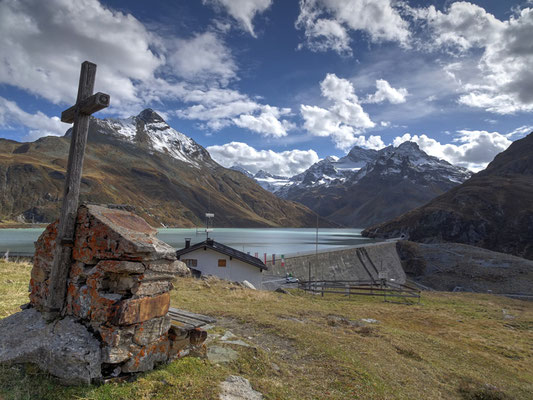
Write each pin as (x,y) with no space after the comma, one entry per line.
(115,316)
(454,266)
(238,388)
(65,348)
(493,209)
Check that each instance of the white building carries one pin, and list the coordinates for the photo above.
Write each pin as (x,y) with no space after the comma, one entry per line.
(212,258)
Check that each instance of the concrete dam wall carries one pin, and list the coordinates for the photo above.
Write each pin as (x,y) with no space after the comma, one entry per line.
(367,262)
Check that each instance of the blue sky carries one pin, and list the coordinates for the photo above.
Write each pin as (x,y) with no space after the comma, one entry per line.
(279,84)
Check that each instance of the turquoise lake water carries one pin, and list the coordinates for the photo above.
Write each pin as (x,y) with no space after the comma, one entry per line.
(270,241)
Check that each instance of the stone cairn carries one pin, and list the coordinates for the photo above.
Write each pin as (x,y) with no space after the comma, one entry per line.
(115,318)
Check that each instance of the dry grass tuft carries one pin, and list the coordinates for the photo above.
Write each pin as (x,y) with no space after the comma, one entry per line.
(14,280)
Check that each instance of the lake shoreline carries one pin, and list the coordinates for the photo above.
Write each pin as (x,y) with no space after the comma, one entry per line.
(249,240)
(21,225)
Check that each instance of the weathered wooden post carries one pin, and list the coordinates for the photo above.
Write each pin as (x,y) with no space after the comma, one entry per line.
(79,114)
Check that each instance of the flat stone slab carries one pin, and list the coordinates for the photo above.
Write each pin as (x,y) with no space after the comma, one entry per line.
(64,348)
(104,233)
(230,338)
(217,355)
(238,388)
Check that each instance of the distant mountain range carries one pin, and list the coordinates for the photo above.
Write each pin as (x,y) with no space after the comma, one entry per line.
(143,162)
(366,187)
(493,209)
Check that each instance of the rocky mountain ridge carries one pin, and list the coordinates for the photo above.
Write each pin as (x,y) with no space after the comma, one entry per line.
(368,186)
(150,131)
(493,209)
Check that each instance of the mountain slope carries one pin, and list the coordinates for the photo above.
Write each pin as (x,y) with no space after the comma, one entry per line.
(493,209)
(374,185)
(141,161)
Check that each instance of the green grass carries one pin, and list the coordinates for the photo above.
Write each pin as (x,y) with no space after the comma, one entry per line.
(451,346)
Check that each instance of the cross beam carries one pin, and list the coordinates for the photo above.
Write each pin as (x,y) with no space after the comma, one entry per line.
(79,114)
(88,106)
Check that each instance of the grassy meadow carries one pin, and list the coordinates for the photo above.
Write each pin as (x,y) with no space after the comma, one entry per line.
(450,346)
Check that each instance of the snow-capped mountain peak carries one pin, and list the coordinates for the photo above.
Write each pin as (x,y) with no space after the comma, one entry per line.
(149,129)
(408,160)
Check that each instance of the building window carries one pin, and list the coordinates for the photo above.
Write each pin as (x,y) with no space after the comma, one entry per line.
(191,262)
(222,263)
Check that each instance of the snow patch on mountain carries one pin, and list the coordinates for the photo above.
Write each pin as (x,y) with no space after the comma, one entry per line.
(408,160)
(149,129)
(265,179)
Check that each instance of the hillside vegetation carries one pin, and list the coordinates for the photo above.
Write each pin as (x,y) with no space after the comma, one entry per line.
(451,346)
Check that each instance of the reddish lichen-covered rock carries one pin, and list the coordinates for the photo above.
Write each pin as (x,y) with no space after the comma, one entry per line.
(134,311)
(150,331)
(110,234)
(42,264)
(147,357)
(118,286)
(118,266)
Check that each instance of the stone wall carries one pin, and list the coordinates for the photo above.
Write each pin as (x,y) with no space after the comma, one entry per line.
(118,288)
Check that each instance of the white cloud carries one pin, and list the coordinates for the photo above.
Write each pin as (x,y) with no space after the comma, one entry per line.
(39,124)
(520,131)
(218,108)
(474,149)
(243,11)
(327,23)
(44,42)
(503,83)
(385,92)
(204,56)
(463,26)
(267,122)
(372,142)
(343,120)
(285,163)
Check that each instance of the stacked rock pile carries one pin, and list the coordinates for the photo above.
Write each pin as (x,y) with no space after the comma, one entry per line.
(118,290)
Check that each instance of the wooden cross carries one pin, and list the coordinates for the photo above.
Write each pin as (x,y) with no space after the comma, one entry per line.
(87,103)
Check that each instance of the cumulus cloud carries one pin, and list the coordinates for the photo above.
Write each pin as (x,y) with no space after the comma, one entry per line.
(285,163)
(204,56)
(243,11)
(44,42)
(385,92)
(463,26)
(327,23)
(218,108)
(343,120)
(267,122)
(504,82)
(470,149)
(372,142)
(11,115)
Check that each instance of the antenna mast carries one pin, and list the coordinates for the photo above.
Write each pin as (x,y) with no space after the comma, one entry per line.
(208,216)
